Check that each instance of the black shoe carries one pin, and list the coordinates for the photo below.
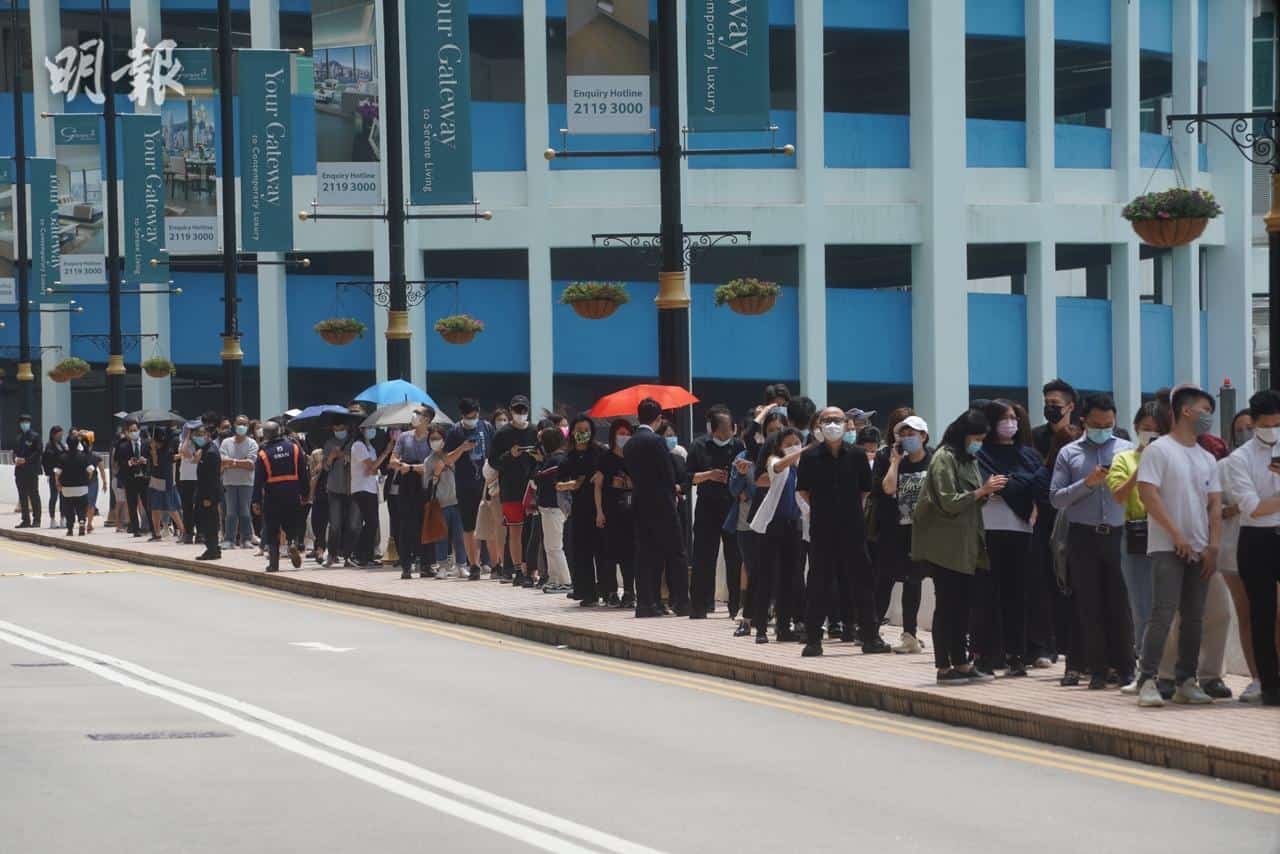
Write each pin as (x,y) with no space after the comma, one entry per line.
(427,572)
(22,525)
(81,532)
(589,603)
(682,610)
(647,612)
(71,532)
(137,534)
(811,650)
(154,538)
(875,646)
(1016,667)
(663,610)
(613,601)
(798,627)
(1098,682)
(188,540)
(210,556)
(295,556)
(697,615)
(474,574)
(1216,688)
(628,600)
(847,636)
(762,637)
(785,635)
(742,630)
(273,567)
(835,629)
(406,575)
(953,677)
(1070,679)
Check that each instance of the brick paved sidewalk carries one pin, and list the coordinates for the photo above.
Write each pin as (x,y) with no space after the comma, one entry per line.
(1228,739)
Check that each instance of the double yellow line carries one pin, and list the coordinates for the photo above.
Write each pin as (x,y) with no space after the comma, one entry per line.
(1003,748)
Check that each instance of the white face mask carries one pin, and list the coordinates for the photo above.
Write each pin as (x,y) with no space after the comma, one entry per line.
(499,424)
(1267,435)
(469,423)
(622,441)
(1146,437)
(437,444)
(520,420)
(833,432)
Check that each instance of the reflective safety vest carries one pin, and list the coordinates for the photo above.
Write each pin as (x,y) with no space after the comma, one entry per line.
(282,462)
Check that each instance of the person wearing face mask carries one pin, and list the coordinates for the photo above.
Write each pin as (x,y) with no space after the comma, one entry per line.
(1180,486)
(1000,595)
(133,464)
(365,463)
(680,460)
(442,486)
(594,579)
(801,412)
(651,466)
(1253,471)
(97,480)
(72,475)
(777,521)
(947,533)
(510,456)
(710,460)
(162,494)
(896,480)
(1095,544)
(27,465)
(474,437)
(614,519)
(238,454)
(208,491)
(52,456)
(337,462)
(280,471)
(409,461)
(833,479)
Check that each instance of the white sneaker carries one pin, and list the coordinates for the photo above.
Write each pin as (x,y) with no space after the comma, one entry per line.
(1042,663)
(1252,694)
(1149,694)
(909,645)
(1131,689)
(1190,693)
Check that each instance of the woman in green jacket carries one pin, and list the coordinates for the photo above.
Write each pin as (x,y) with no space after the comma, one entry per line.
(948,534)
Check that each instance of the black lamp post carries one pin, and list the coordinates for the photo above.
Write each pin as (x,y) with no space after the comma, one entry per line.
(115,354)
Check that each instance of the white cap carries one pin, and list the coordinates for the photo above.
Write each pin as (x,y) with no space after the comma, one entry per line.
(915,422)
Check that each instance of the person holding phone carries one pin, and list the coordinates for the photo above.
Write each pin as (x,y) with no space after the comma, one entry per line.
(509,455)
(709,460)
(474,437)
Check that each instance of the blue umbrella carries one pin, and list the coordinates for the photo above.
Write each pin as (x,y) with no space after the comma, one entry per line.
(396,391)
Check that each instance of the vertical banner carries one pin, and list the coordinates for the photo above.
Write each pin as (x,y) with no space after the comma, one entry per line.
(266,154)
(728,59)
(607,64)
(48,233)
(8,234)
(190,123)
(348,126)
(438,74)
(81,205)
(144,202)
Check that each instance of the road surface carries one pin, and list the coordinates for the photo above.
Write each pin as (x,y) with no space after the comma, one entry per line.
(147,710)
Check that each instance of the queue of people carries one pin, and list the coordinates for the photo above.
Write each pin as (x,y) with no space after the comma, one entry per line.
(1122,554)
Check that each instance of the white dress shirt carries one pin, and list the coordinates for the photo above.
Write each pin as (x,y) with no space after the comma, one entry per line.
(1252,482)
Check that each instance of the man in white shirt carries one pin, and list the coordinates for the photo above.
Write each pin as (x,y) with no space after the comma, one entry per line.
(1253,472)
(1180,487)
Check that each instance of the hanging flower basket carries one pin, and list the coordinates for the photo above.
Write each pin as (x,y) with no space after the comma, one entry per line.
(1173,217)
(459,328)
(72,368)
(595,300)
(340,331)
(158,368)
(748,296)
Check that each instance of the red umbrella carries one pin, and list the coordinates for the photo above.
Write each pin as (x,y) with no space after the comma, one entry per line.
(625,402)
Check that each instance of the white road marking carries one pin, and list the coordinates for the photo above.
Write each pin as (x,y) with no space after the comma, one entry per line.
(224,709)
(317,646)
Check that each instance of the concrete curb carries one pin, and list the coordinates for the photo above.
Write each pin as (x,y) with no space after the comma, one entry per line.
(1146,748)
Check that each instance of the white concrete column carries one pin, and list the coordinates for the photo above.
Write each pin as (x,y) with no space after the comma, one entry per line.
(55,329)
(1186,259)
(538,177)
(381,273)
(811,149)
(1229,277)
(415,270)
(1126,272)
(1166,278)
(1041,281)
(939,293)
(273,303)
(153,309)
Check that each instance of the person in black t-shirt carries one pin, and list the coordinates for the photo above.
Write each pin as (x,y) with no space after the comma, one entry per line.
(587,562)
(72,475)
(611,490)
(709,462)
(510,456)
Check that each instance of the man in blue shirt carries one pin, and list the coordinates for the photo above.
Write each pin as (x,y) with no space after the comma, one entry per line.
(1079,489)
(475,437)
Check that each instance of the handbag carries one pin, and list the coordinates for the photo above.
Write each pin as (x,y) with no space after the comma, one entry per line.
(1135,536)
(434,528)
(1058,552)
(158,484)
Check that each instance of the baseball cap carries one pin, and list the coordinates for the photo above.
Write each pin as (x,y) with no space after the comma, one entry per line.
(518,401)
(915,422)
(859,415)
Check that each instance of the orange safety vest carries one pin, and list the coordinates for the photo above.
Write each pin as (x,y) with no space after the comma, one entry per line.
(283,477)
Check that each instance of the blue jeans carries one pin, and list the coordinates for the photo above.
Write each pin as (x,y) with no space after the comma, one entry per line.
(453,519)
(238,523)
(1136,570)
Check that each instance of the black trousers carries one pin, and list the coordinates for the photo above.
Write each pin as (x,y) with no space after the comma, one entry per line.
(911,592)
(593,575)
(749,548)
(413,504)
(1103,618)
(708,537)
(776,558)
(282,513)
(73,510)
(1259,559)
(29,497)
(207,521)
(320,522)
(659,549)
(366,515)
(135,496)
(187,491)
(846,566)
(619,536)
(953,592)
(53,497)
(1000,600)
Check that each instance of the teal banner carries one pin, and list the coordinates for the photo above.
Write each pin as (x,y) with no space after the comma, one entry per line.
(728,47)
(266,159)
(144,199)
(438,73)
(8,234)
(47,231)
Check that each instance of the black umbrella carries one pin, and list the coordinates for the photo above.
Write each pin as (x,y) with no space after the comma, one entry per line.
(323,415)
(148,417)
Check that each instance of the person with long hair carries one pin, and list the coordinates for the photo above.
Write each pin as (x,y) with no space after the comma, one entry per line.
(54,451)
(748,486)
(593,579)
(777,520)
(611,491)
(162,495)
(97,483)
(947,533)
(1000,616)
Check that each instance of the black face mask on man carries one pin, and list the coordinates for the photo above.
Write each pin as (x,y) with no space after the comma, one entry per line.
(1052,413)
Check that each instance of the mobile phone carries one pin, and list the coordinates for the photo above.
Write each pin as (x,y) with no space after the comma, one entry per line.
(527,448)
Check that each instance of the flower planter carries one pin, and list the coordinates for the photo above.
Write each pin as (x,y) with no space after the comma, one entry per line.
(459,336)
(158,373)
(752,305)
(1168,233)
(58,376)
(594,309)
(339,338)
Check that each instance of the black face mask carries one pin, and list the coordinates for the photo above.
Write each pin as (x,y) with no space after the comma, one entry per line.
(1052,413)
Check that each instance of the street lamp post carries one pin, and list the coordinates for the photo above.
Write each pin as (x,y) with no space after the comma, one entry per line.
(115,353)
(398,331)
(232,355)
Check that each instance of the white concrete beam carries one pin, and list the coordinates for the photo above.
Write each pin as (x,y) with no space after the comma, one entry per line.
(1126,272)
(1186,259)
(538,178)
